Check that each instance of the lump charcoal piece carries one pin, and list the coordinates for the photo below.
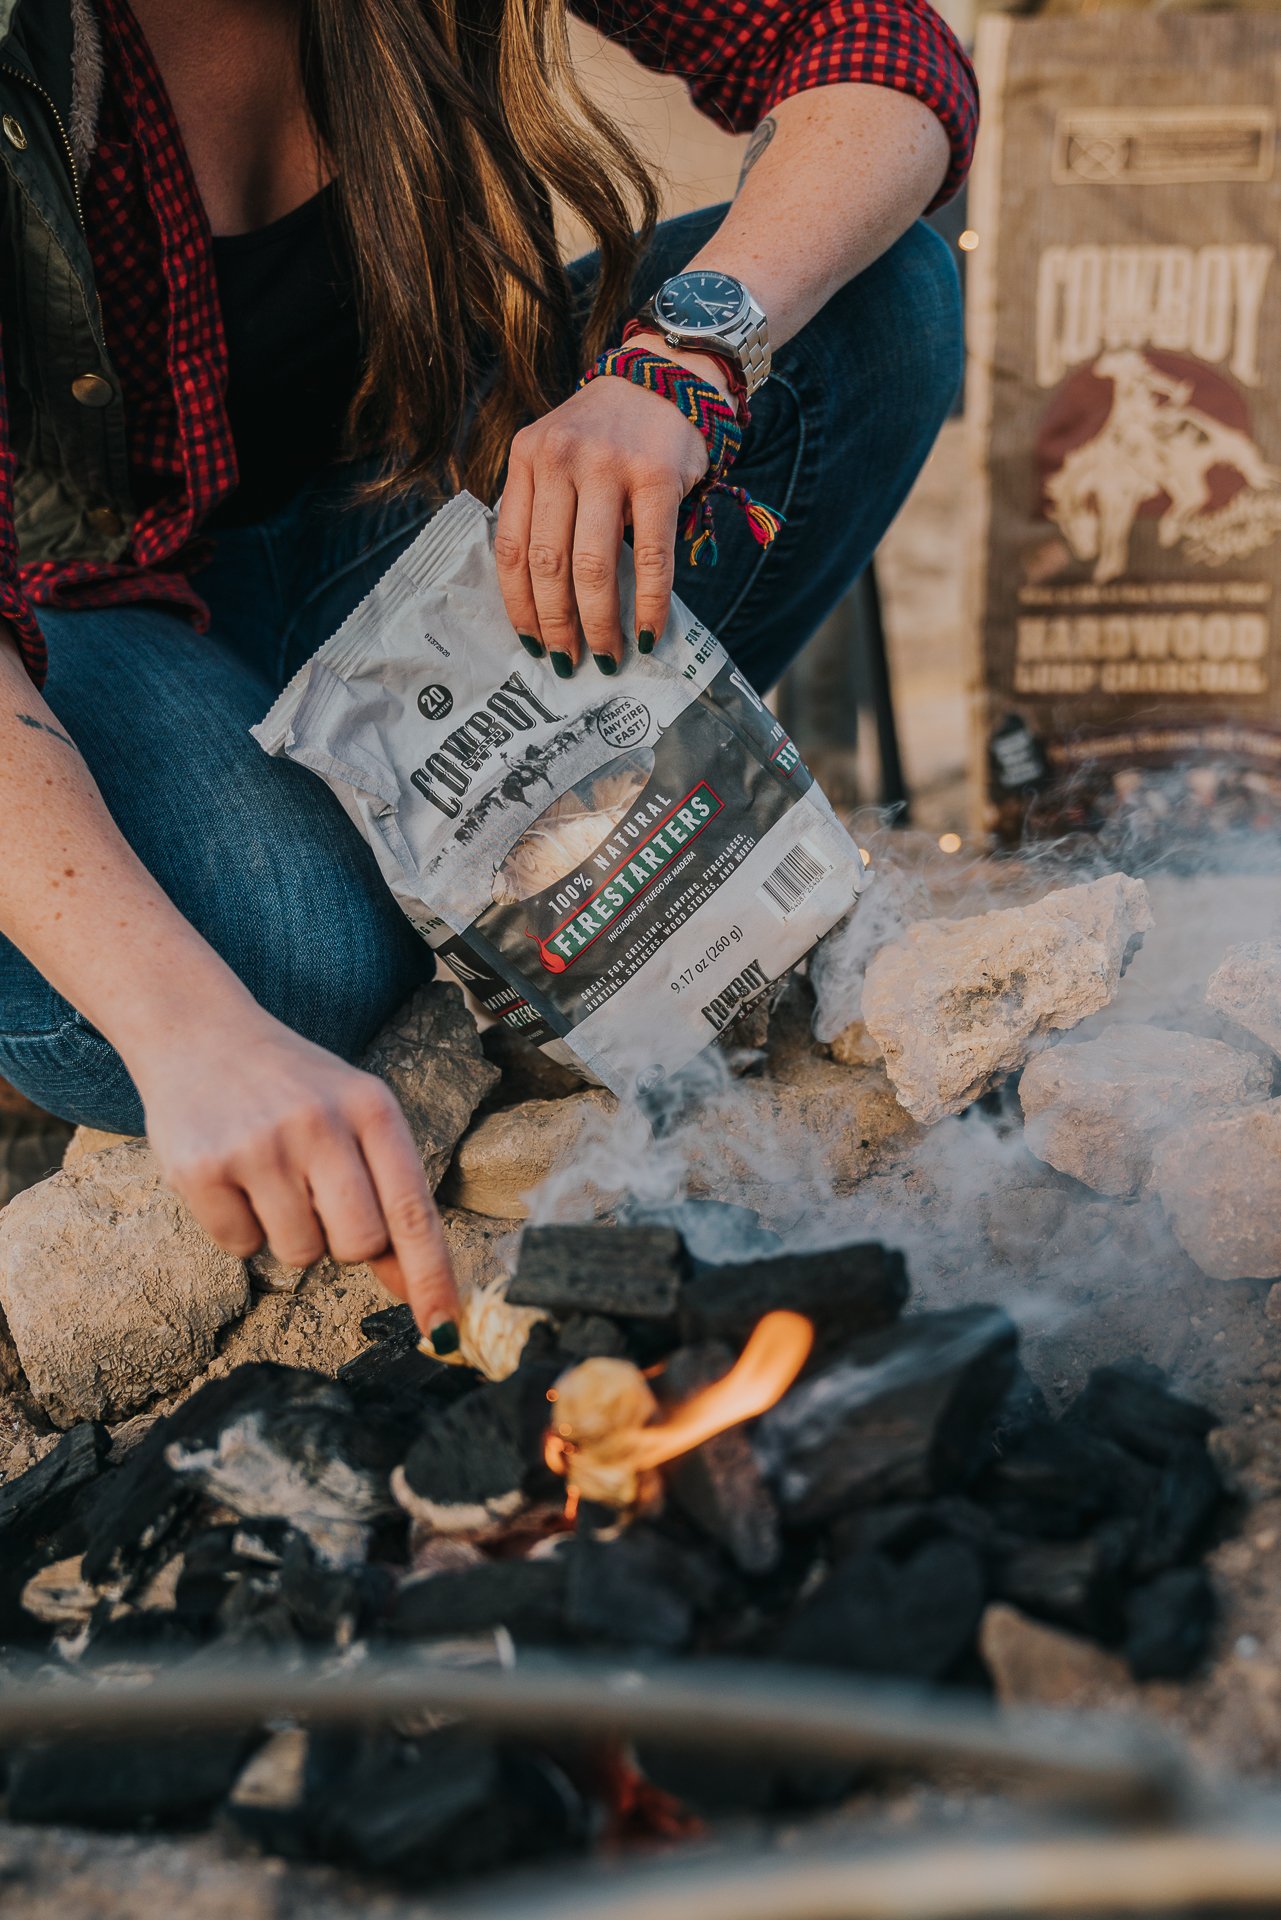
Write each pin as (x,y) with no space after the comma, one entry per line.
(171,1780)
(1188,1493)
(1169,1623)
(1133,1406)
(638,1590)
(720,1485)
(845,1291)
(435,1808)
(587,1336)
(901,1415)
(331,1603)
(294,1449)
(525,1596)
(913,1619)
(1060,1480)
(397,1387)
(395,1325)
(1075,1583)
(895,1530)
(132,1526)
(634,1272)
(40,1499)
(481,1460)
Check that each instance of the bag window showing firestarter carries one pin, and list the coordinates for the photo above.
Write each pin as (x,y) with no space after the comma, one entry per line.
(613,873)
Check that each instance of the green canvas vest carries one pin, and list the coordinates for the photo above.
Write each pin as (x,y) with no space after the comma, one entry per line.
(67,417)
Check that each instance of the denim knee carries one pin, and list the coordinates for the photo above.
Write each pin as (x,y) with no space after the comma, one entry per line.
(901,322)
(67,1068)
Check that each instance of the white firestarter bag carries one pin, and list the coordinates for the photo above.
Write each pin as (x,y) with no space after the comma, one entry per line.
(616,868)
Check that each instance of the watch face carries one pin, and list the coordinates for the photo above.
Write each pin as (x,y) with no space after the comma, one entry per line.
(701,301)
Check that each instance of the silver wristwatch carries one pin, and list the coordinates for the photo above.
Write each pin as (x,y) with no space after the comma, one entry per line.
(707,309)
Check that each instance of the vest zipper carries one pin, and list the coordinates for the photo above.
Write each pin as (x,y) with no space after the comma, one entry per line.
(74,171)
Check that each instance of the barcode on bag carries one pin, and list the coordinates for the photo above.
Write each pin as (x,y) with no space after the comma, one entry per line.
(793,879)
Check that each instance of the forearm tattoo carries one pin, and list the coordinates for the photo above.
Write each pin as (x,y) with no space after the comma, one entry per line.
(30,720)
(757,145)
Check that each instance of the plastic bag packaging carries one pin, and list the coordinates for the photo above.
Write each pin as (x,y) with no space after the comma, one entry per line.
(615,869)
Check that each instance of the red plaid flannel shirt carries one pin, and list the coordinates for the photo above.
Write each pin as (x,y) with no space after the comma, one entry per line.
(149,241)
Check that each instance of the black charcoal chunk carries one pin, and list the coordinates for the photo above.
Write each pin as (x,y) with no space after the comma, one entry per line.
(395,1326)
(632,1271)
(174,1780)
(845,1291)
(1187,1495)
(398,1387)
(525,1596)
(1132,1406)
(1169,1624)
(483,1454)
(331,1603)
(720,1485)
(901,1415)
(40,1499)
(1074,1583)
(638,1590)
(285,1436)
(436,1808)
(1059,1480)
(295,1449)
(583,1336)
(911,1619)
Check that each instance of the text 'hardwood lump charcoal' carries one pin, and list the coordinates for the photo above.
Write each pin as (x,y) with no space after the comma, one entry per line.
(615,872)
(1125,338)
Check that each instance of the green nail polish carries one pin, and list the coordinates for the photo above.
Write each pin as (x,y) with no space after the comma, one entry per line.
(645,641)
(606,662)
(444,1338)
(531,645)
(562,666)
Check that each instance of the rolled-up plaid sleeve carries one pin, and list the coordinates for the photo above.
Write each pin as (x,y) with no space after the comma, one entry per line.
(15,611)
(740,58)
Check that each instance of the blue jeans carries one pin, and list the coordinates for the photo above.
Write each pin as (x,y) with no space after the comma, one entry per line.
(256,852)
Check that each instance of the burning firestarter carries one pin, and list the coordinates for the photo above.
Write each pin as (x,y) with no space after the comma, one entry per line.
(900,1471)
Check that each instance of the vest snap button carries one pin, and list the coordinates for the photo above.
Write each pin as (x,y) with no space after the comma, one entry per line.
(91,390)
(105,520)
(13,132)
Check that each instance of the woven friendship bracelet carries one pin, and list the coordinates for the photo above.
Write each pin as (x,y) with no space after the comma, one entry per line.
(716,419)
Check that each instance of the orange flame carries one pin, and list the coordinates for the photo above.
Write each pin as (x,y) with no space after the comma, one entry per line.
(609,1465)
(778,1348)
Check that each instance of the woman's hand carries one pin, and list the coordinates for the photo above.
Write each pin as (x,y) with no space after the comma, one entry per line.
(612,456)
(267,1137)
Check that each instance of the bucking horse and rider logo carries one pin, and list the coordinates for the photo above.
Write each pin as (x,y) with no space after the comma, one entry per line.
(1154,435)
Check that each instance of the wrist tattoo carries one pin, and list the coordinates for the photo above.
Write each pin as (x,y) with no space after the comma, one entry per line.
(757,145)
(30,720)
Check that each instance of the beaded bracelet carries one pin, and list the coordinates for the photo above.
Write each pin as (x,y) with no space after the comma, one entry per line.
(717,420)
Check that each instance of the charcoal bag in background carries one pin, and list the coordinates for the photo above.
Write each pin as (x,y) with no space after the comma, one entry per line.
(616,868)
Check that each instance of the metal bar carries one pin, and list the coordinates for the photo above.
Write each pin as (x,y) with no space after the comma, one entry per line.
(1064,1875)
(1119,1770)
(876,664)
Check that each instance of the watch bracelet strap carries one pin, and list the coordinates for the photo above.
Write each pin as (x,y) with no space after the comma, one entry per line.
(707,409)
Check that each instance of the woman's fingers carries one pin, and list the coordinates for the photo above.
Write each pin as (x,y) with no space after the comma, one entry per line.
(598,535)
(551,544)
(344,1197)
(655,512)
(511,550)
(417,1265)
(224,1212)
(280,1199)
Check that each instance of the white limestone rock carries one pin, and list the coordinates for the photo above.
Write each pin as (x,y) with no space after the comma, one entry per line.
(1246,986)
(113,1294)
(1097,1109)
(955,1004)
(1219,1181)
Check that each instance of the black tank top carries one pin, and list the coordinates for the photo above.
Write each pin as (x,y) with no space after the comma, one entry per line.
(293,352)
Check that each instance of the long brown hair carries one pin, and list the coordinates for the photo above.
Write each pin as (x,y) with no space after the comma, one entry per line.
(450,124)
